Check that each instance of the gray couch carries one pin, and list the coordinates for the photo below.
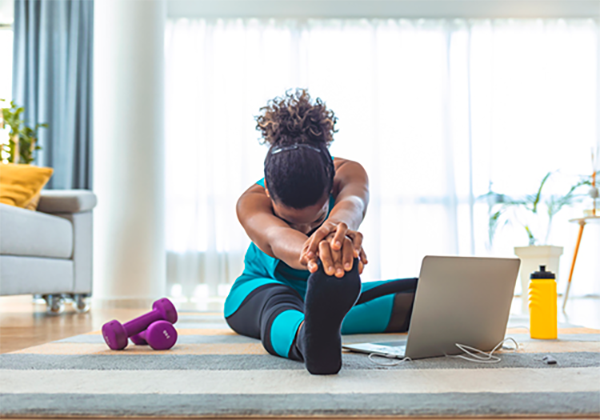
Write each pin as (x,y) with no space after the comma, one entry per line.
(49,252)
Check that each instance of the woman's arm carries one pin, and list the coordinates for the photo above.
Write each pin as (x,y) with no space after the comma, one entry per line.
(277,239)
(271,234)
(351,189)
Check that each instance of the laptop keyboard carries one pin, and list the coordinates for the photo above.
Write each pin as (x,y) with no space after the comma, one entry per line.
(389,348)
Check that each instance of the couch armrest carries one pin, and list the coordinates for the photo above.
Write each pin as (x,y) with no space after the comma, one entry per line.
(66,201)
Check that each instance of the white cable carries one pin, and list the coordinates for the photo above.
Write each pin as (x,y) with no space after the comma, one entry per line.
(521,345)
(406,359)
(478,356)
(471,354)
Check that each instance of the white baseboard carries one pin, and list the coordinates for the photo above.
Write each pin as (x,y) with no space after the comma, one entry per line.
(126,303)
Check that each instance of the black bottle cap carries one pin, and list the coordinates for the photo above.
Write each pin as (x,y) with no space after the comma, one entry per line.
(542,274)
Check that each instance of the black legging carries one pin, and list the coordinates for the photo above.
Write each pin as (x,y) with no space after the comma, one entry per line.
(383,306)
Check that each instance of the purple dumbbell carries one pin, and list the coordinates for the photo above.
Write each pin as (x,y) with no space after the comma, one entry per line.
(115,334)
(160,335)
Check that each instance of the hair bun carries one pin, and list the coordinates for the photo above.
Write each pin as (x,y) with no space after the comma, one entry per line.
(296,119)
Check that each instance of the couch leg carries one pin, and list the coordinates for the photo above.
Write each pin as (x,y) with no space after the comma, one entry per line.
(38,299)
(81,302)
(56,304)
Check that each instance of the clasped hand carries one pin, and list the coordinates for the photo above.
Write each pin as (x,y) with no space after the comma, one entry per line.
(336,246)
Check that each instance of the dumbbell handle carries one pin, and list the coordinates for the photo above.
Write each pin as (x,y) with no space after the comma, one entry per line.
(139,324)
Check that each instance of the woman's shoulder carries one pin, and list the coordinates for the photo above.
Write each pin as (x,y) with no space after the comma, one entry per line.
(338,162)
(348,173)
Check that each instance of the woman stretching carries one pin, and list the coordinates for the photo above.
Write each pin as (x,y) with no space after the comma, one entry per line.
(300,288)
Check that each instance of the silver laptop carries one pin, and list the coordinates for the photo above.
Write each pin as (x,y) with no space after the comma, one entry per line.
(462,300)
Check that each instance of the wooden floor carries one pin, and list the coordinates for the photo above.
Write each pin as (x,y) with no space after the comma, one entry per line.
(24,324)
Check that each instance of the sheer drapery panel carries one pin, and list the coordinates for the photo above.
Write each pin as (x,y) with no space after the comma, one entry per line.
(435,110)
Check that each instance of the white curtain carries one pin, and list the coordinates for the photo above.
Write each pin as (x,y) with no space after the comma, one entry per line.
(434,110)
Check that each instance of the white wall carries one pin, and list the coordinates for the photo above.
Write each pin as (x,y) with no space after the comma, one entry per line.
(385,8)
(129,244)
(7,12)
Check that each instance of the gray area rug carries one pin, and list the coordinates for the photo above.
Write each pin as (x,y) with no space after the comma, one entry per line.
(214,372)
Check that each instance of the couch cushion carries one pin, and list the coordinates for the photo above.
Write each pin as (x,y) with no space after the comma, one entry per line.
(28,233)
(27,275)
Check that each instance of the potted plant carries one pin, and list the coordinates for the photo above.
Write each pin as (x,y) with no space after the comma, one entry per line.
(535,214)
(22,141)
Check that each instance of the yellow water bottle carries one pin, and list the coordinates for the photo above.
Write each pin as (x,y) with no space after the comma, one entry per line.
(543,320)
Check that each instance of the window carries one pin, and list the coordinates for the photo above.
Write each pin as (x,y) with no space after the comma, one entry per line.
(435,109)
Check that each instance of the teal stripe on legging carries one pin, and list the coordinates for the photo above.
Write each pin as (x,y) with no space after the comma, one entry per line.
(368,285)
(237,295)
(283,331)
(369,317)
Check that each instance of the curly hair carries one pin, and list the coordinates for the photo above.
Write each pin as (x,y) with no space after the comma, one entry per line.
(299,170)
(295,119)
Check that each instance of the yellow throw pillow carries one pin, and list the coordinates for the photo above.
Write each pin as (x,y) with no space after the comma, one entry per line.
(21,183)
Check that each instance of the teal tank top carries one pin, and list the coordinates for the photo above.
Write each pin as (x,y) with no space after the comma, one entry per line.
(257,264)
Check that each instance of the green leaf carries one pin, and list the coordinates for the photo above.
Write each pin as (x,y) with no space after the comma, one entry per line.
(538,195)
(530,235)
(493,224)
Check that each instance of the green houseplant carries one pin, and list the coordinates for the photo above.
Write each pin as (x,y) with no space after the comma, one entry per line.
(22,145)
(535,214)
(503,209)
